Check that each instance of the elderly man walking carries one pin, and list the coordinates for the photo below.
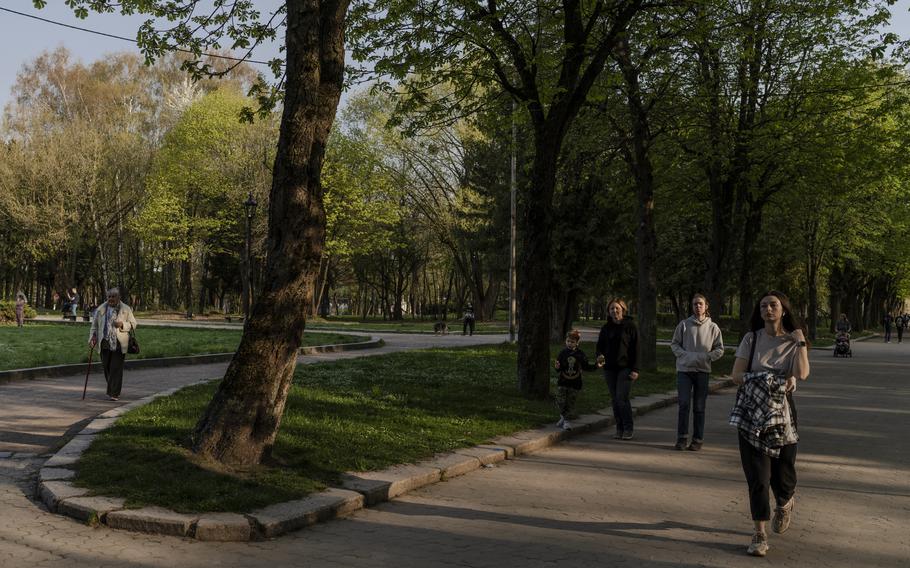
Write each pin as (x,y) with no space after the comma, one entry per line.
(112,323)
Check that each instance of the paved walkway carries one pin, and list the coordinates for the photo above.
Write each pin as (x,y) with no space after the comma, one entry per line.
(589,502)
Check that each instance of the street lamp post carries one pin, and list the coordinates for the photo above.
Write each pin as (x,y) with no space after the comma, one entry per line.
(513,190)
(250,206)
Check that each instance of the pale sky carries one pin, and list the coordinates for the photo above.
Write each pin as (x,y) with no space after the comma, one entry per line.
(23,39)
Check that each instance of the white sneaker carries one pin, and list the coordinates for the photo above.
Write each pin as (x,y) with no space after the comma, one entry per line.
(782,516)
(759,545)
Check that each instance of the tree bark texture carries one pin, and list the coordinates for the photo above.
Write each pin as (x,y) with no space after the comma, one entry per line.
(242,420)
(533,290)
(645,233)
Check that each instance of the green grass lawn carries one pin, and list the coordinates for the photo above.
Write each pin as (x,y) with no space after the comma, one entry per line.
(38,344)
(350,415)
(404,326)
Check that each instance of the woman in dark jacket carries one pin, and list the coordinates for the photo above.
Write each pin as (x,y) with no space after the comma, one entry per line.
(617,350)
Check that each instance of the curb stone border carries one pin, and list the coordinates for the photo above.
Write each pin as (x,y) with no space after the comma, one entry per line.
(358,490)
(163,362)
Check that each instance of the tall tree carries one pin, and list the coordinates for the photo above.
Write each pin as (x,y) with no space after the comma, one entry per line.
(546,57)
(242,420)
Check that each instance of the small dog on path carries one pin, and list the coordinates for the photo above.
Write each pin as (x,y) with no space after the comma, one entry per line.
(441,328)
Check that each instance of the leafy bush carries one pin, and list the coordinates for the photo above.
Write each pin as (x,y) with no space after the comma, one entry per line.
(8,311)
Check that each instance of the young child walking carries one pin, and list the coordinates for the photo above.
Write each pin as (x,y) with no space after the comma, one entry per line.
(570,362)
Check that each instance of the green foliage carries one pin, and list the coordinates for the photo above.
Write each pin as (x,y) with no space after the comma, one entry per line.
(362,201)
(8,311)
(199,178)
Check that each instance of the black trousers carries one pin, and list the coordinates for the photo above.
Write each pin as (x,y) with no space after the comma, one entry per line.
(620,386)
(763,473)
(112,362)
(468,326)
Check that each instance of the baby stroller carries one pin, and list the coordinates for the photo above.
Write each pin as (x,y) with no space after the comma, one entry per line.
(842,345)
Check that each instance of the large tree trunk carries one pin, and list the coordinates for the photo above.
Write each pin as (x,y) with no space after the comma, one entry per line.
(564,311)
(645,234)
(534,276)
(242,420)
(746,293)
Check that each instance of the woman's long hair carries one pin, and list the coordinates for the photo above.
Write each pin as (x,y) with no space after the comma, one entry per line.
(707,306)
(788,320)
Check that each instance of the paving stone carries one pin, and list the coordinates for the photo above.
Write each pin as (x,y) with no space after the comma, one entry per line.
(55,474)
(52,492)
(89,509)
(24,455)
(280,518)
(452,464)
(379,486)
(99,425)
(486,454)
(76,446)
(151,520)
(112,413)
(593,421)
(224,527)
(531,440)
(61,461)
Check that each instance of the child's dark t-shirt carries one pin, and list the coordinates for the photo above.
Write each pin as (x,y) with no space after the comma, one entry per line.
(571,363)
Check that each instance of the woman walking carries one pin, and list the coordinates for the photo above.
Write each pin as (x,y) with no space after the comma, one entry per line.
(21,300)
(112,323)
(617,351)
(770,359)
(843,325)
(697,342)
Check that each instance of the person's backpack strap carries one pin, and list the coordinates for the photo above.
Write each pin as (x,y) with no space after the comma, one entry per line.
(752,351)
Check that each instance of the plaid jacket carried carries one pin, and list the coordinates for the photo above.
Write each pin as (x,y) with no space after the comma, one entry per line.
(761,412)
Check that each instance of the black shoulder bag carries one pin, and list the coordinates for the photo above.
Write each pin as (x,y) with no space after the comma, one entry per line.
(132,347)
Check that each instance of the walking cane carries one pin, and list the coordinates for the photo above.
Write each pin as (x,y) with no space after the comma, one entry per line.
(91,351)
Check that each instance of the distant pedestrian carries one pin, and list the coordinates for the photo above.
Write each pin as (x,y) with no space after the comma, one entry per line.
(843,325)
(697,342)
(468,320)
(74,302)
(900,323)
(570,362)
(617,352)
(112,323)
(21,301)
(769,360)
(887,322)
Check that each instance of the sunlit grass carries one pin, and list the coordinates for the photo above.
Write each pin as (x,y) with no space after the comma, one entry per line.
(349,415)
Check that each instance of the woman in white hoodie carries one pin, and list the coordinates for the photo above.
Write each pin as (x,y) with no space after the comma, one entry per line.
(697,342)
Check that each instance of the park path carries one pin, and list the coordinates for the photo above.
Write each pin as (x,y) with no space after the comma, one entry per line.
(36,415)
(591,501)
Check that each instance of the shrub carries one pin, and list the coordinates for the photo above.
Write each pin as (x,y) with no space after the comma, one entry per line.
(8,311)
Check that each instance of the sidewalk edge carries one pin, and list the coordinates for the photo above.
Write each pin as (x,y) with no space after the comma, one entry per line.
(54,371)
(357,491)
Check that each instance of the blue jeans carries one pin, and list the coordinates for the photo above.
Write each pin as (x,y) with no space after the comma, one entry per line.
(693,391)
(620,386)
